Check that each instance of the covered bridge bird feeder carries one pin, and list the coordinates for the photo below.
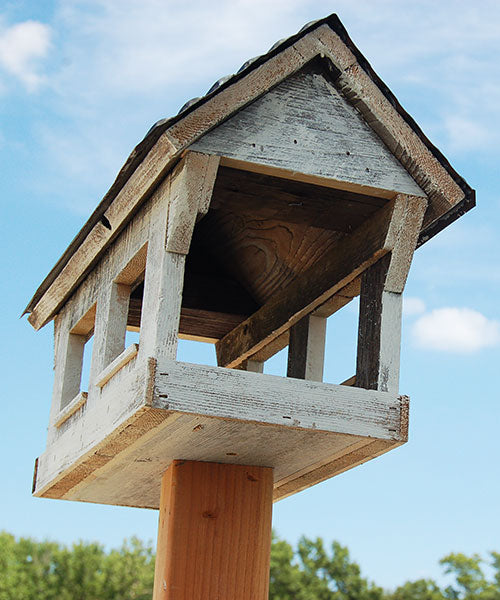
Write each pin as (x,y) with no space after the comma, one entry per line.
(246,220)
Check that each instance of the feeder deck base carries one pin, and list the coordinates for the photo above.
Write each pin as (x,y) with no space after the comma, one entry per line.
(116,450)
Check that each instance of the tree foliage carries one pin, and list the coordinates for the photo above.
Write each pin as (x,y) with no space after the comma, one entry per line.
(32,570)
(48,571)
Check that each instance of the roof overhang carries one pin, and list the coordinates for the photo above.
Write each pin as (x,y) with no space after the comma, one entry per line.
(449,194)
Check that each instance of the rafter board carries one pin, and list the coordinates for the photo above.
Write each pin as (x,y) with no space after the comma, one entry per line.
(164,143)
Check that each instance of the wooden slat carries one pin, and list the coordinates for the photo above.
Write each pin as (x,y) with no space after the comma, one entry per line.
(120,361)
(241,395)
(404,248)
(194,322)
(70,409)
(163,281)
(254,366)
(379,333)
(344,261)
(214,532)
(306,350)
(110,327)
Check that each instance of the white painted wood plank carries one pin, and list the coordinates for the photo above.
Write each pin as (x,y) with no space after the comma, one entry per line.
(379,334)
(190,194)
(306,350)
(82,433)
(120,361)
(78,401)
(110,327)
(163,284)
(390,342)
(304,124)
(235,394)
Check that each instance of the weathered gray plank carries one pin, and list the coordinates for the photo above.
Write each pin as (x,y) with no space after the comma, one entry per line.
(190,195)
(379,333)
(304,124)
(235,394)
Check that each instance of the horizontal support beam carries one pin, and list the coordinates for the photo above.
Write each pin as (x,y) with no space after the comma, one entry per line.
(291,403)
(343,263)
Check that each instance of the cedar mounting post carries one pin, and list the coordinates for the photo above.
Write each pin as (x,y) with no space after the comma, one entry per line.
(214,535)
(245,221)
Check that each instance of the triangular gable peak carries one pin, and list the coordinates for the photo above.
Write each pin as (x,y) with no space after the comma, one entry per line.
(305,126)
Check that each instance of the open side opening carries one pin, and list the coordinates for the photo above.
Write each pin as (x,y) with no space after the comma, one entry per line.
(78,358)
(341,345)
(119,316)
(261,233)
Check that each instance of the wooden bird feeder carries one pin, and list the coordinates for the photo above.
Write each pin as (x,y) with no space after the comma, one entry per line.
(246,221)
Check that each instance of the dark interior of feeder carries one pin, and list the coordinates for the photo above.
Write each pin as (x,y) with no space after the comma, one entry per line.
(261,231)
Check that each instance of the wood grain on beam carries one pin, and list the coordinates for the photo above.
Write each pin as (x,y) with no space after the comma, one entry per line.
(341,264)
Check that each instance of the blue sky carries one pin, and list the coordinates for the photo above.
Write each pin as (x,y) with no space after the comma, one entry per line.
(80,85)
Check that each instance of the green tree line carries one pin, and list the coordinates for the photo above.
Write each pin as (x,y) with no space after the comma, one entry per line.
(32,570)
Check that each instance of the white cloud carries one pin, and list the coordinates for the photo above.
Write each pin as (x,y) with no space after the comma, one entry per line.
(460,330)
(21,46)
(413,306)
(465,133)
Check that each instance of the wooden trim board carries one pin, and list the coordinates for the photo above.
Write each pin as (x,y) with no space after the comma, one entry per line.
(120,361)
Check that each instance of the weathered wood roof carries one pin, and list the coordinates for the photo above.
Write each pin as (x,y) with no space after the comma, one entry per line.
(168,138)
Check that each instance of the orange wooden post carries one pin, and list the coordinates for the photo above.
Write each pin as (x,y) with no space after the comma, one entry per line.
(214,532)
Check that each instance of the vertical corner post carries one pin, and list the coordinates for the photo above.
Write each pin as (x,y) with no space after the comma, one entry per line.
(380,307)
(379,334)
(110,327)
(306,350)
(214,532)
(254,366)
(179,200)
